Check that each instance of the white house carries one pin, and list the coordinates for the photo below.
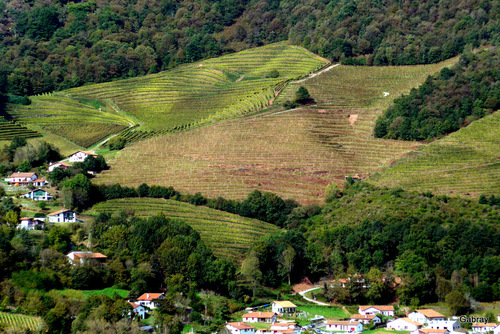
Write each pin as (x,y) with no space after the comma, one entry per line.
(283,307)
(283,328)
(80,257)
(483,328)
(496,330)
(63,216)
(425,316)
(38,195)
(21,179)
(259,317)
(240,328)
(343,326)
(387,310)
(39,183)
(431,331)
(404,324)
(366,318)
(80,156)
(30,223)
(149,299)
(138,310)
(450,325)
(55,165)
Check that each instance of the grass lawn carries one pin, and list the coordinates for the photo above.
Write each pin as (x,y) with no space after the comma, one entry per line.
(110,292)
(327,312)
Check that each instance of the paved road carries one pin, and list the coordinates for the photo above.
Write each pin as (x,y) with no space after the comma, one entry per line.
(303,294)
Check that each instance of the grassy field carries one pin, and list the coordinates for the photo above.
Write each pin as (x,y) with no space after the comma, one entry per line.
(292,153)
(465,162)
(110,292)
(229,236)
(82,121)
(20,322)
(327,312)
(206,91)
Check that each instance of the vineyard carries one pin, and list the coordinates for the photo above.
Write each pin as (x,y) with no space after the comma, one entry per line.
(82,121)
(294,153)
(9,130)
(207,91)
(465,162)
(20,321)
(227,235)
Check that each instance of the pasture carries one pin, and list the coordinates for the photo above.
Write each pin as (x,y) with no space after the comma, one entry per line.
(228,235)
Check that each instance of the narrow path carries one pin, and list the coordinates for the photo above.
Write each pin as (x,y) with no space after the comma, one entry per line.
(317,73)
(303,294)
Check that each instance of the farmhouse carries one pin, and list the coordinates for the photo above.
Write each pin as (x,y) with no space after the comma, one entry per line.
(80,257)
(386,310)
(138,310)
(344,326)
(63,216)
(240,328)
(404,324)
(425,316)
(149,299)
(21,179)
(80,156)
(55,165)
(450,325)
(431,331)
(283,328)
(260,317)
(283,307)
(38,195)
(30,223)
(366,318)
(483,328)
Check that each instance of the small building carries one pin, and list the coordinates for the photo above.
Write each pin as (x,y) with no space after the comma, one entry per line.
(365,319)
(344,326)
(55,165)
(30,223)
(21,179)
(39,183)
(38,195)
(387,310)
(496,330)
(431,331)
(138,310)
(252,317)
(63,216)
(425,316)
(150,299)
(483,328)
(80,257)
(281,307)
(80,156)
(239,328)
(404,324)
(450,325)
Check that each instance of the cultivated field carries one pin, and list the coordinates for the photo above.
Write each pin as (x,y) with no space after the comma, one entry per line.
(294,153)
(206,91)
(229,236)
(20,322)
(466,162)
(84,122)
(9,130)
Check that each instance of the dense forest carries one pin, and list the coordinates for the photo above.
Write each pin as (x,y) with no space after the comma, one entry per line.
(52,45)
(451,99)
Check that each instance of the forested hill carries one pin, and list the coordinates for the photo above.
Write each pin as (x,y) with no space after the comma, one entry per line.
(52,45)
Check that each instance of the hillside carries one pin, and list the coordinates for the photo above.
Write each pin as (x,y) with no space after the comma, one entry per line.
(228,235)
(465,162)
(293,153)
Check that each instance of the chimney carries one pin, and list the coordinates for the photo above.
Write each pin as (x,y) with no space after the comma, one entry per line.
(147,296)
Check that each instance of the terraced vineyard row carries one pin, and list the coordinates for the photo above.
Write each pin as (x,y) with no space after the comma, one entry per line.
(20,321)
(294,154)
(66,117)
(208,91)
(465,162)
(9,130)
(229,236)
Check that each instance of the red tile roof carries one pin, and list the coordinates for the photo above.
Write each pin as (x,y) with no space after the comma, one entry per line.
(363,316)
(150,296)
(342,323)
(262,315)
(58,212)
(430,313)
(240,325)
(378,307)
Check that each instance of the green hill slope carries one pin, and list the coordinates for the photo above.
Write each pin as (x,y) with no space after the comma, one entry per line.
(228,235)
(465,162)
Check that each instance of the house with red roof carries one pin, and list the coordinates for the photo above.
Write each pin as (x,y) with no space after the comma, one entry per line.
(80,156)
(240,328)
(431,331)
(343,326)
(80,257)
(404,324)
(21,179)
(138,310)
(251,317)
(149,299)
(387,310)
(484,328)
(30,223)
(63,216)
(365,319)
(425,316)
(55,165)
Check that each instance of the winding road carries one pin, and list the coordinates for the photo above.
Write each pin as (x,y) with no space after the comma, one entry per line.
(303,294)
